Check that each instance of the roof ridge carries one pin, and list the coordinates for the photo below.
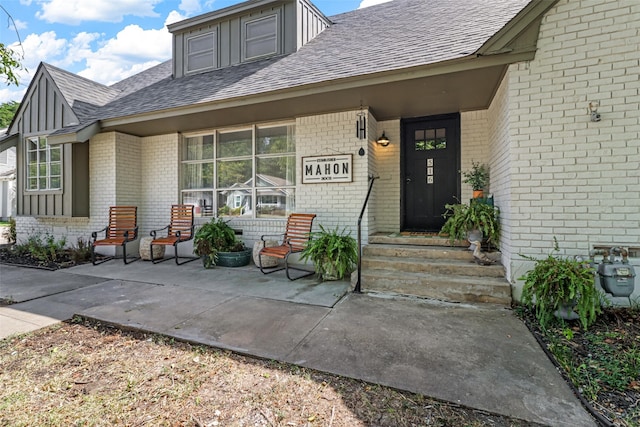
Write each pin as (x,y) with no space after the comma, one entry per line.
(48,66)
(81,94)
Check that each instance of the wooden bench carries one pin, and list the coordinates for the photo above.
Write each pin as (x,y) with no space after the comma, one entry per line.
(294,240)
(122,229)
(180,229)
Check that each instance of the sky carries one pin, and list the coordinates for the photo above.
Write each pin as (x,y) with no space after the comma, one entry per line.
(104,40)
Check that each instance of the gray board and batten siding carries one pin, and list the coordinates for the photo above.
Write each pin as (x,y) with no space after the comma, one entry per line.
(44,110)
(298,22)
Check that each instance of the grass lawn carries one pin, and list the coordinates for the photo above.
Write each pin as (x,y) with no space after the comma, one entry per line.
(87,374)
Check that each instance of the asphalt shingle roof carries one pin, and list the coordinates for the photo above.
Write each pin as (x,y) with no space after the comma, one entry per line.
(150,76)
(390,36)
(82,94)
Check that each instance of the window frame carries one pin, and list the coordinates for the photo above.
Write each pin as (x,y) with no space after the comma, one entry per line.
(215,191)
(214,51)
(37,139)
(276,36)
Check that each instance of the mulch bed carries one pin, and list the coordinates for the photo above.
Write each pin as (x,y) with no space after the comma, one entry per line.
(64,259)
(591,356)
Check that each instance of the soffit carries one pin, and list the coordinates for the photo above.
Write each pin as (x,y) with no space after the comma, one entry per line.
(445,93)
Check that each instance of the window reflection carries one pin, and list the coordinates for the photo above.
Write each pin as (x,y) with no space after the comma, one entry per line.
(251,171)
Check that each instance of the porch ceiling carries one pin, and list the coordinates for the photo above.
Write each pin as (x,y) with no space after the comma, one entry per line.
(410,97)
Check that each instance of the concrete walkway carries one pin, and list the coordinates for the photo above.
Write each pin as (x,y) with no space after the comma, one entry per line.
(477,356)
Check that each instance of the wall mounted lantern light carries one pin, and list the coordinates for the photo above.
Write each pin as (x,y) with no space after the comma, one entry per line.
(383,140)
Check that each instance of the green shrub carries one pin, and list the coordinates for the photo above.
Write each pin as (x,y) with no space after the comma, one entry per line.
(477,177)
(81,251)
(556,282)
(43,248)
(477,215)
(334,253)
(213,237)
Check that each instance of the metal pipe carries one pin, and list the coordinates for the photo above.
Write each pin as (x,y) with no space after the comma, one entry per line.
(357,288)
(620,251)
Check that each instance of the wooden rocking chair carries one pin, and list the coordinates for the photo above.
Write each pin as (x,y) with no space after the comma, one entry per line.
(122,229)
(295,239)
(180,229)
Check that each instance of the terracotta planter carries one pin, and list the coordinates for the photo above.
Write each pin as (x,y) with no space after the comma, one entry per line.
(478,194)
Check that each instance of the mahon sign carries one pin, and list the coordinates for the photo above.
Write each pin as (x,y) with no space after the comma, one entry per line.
(334,168)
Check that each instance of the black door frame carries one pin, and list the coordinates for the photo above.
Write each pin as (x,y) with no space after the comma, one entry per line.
(403,154)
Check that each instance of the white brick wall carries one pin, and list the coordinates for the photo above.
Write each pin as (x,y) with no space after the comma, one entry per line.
(473,139)
(144,172)
(128,163)
(159,181)
(372,165)
(387,187)
(338,204)
(71,229)
(572,178)
(115,179)
(500,161)
(102,180)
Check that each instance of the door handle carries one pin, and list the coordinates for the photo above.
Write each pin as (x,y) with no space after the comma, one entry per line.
(408,180)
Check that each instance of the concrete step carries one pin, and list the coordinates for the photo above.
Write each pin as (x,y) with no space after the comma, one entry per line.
(428,266)
(446,267)
(416,240)
(423,252)
(437,286)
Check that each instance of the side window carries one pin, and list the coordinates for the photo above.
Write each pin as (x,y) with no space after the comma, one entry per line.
(261,37)
(44,165)
(201,52)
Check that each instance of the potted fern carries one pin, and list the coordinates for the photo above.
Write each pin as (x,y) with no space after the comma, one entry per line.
(334,253)
(477,178)
(477,216)
(216,243)
(561,287)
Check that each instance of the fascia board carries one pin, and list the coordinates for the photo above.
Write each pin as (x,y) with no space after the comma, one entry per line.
(531,15)
(463,64)
(81,135)
(8,142)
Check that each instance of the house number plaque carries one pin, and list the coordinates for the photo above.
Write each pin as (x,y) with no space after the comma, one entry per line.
(429,171)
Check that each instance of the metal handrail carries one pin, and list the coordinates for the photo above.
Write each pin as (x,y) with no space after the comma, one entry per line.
(372,179)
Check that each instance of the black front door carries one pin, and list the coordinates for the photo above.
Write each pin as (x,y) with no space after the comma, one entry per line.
(430,165)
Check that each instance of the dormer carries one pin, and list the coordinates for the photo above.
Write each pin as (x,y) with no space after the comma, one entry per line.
(248,31)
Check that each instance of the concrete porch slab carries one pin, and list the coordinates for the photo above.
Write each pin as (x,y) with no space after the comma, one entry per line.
(18,284)
(481,357)
(167,302)
(260,327)
(247,281)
